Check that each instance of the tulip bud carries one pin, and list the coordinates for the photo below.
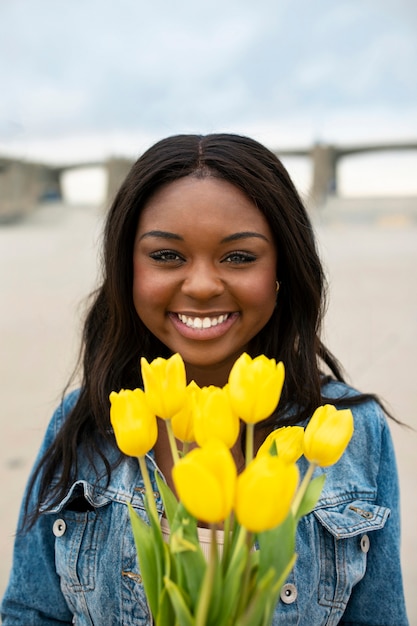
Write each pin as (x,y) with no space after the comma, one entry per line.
(255,387)
(134,422)
(164,382)
(264,492)
(327,435)
(205,481)
(183,421)
(214,417)
(287,442)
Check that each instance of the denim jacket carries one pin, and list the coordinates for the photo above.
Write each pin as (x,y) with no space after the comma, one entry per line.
(78,564)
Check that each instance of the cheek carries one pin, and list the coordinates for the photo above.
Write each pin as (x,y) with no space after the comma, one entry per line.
(260,293)
(144,288)
(150,292)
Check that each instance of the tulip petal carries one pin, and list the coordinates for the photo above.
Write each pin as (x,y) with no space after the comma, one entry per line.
(183,421)
(255,387)
(205,480)
(134,423)
(214,417)
(288,442)
(327,435)
(165,383)
(269,482)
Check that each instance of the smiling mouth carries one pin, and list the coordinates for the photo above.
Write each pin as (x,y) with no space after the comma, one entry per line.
(202,322)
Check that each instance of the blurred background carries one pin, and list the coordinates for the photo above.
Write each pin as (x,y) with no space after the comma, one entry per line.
(87,85)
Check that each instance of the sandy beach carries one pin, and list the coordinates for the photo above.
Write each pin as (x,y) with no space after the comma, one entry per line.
(49,264)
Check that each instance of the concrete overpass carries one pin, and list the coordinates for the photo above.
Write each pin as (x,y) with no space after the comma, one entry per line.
(24,184)
(326,157)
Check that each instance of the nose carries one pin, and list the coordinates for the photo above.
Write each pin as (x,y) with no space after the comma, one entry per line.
(202,282)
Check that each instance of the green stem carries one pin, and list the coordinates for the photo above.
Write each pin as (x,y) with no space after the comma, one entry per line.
(250,428)
(185,448)
(244,586)
(242,537)
(227,538)
(208,583)
(303,488)
(172,442)
(148,487)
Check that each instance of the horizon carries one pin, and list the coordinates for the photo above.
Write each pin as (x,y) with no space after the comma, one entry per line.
(374,173)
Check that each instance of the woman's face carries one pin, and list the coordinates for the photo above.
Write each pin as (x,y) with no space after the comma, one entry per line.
(204,273)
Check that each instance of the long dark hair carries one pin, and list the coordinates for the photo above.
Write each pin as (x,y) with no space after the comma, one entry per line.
(114,338)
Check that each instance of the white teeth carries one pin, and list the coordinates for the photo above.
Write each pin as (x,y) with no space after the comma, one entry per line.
(205,322)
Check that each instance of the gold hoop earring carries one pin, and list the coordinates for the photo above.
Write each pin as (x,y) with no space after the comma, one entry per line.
(276,286)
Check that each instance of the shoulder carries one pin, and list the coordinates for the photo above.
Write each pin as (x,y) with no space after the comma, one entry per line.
(366,412)
(370,449)
(338,390)
(65,407)
(60,415)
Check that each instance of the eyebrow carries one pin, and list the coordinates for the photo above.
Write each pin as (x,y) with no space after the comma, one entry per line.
(247,234)
(163,234)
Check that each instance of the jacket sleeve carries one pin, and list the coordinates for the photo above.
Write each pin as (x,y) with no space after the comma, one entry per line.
(33,595)
(379,598)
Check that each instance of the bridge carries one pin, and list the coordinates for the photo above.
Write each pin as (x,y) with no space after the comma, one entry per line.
(326,157)
(24,184)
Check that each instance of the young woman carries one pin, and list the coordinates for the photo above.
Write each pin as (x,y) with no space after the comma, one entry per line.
(209,252)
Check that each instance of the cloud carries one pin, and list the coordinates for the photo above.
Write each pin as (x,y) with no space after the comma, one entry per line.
(131,69)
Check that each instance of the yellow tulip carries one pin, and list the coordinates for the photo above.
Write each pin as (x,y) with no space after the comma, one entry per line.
(264,492)
(214,417)
(205,481)
(327,435)
(255,387)
(134,422)
(288,442)
(164,382)
(183,421)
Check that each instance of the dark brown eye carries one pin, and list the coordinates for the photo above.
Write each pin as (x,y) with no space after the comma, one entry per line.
(165,256)
(239,258)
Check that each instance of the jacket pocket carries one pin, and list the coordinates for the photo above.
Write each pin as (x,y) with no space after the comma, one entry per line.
(345,537)
(77,529)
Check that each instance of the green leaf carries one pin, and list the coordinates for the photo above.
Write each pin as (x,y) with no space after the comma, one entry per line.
(273,450)
(273,595)
(147,557)
(215,608)
(181,609)
(230,542)
(161,551)
(311,496)
(170,502)
(232,584)
(187,554)
(255,611)
(166,614)
(238,576)
(277,547)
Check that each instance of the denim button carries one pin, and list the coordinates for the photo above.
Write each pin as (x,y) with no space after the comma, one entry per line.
(59,527)
(289,593)
(365,543)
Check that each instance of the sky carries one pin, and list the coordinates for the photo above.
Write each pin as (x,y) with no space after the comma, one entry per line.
(86,79)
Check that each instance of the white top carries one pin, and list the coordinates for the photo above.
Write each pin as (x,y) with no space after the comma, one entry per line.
(204,537)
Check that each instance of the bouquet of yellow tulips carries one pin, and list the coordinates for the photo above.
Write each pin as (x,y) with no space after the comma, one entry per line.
(237,583)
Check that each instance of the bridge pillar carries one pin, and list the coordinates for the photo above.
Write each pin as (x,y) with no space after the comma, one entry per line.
(117,170)
(324,182)
(23,185)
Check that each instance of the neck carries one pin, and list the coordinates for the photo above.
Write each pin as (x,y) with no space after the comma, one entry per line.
(211,376)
